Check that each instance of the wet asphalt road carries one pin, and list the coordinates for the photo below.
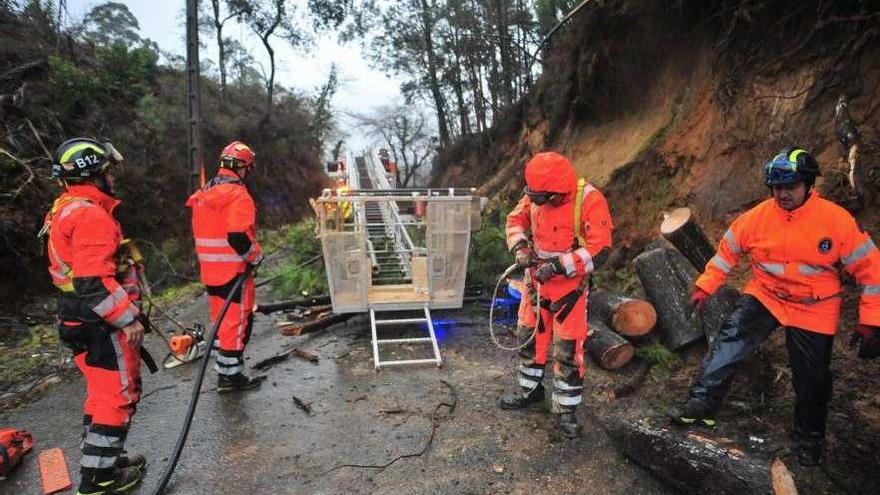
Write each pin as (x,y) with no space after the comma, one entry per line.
(260,442)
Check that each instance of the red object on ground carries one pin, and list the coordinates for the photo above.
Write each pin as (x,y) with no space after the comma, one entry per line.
(53,471)
(14,444)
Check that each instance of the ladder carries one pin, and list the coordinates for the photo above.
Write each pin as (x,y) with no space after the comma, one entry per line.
(432,338)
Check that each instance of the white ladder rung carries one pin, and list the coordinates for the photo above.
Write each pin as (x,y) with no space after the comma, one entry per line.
(404,341)
(408,361)
(400,321)
(432,338)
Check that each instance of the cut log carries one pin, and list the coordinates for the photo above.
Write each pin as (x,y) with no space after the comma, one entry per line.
(293,303)
(667,277)
(629,317)
(680,228)
(611,351)
(691,462)
(716,310)
(783,482)
(295,329)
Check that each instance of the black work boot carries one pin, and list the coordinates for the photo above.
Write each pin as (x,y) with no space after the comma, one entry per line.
(808,450)
(569,425)
(236,382)
(519,401)
(131,460)
(121,481)
(693,413)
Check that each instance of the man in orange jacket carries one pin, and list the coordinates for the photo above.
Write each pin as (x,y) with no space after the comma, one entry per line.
(98,319)
(566,246)
(797,242)
(224,224)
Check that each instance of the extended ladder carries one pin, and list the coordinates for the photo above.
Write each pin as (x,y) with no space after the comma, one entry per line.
(432,338)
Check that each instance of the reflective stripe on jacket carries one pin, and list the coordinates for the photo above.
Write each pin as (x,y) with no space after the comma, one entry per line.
(82,245)
(795,259)
(222,208)
(553,232)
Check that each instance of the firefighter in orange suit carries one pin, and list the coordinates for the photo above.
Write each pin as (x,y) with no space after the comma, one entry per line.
(98,319)
(566,245)
(225,231)
(797,242)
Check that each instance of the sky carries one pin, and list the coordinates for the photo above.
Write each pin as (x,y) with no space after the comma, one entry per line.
(361,88)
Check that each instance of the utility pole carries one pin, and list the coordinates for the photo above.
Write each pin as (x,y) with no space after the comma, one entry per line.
(194,106)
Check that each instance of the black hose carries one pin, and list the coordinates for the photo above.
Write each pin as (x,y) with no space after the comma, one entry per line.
(194,400)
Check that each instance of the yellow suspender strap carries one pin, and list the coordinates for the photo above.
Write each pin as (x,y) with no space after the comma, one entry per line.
(578,205)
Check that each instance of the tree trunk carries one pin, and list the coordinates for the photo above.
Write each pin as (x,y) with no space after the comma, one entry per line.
(611,351)
(667,278)
(691,462)
(270,87)
(439,102)
(629,317)
(681,229)
(463,114)
(504,48)
(221,51)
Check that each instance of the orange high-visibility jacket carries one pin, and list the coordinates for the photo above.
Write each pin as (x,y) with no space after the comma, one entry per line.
(553,232)
(796,257)
(221,211)
(82,245)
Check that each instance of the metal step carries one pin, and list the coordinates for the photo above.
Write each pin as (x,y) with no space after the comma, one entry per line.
(432,338)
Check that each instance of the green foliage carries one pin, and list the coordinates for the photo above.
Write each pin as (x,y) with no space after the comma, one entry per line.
(111,23)
(38,349)
(488,255)
(71,89)
(659,355)
(126,73)
(298,274)
(175,294)
(623,280)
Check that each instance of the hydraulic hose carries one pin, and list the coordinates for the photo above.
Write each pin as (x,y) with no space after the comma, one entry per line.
(194,400)
(501,279)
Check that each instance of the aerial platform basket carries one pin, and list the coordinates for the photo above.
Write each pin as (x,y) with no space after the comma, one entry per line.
(379,259)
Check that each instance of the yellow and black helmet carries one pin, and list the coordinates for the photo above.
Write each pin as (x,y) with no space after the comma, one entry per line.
(82,158)
(790,166)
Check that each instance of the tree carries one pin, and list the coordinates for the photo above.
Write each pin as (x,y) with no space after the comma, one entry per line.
(110,23)
(269,18)
(234,9)
(406,133)
(322,122)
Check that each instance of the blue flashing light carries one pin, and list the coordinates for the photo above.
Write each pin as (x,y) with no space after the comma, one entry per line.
(513,292)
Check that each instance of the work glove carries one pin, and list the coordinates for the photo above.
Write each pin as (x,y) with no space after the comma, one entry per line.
(867,337)
(523,256)
(548,269)
(698,299)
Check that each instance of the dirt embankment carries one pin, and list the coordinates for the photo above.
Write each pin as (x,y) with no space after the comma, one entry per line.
(665,104)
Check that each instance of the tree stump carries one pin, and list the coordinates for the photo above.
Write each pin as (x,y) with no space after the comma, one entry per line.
(628,316)
(611,351)
(667,277)
(680,228)
(690,461)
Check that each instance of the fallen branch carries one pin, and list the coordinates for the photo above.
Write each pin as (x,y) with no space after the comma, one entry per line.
(271,361)
(296,329)
(27,167)
(39,139)
(435,423)
(304,406)
(293,304)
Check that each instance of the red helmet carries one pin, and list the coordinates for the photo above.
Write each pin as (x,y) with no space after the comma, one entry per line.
(550,172)
(237,154)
